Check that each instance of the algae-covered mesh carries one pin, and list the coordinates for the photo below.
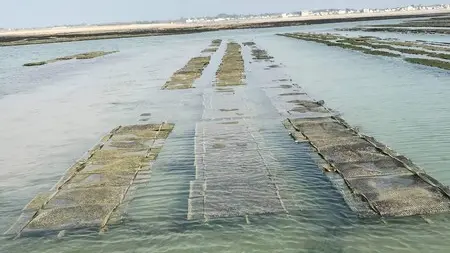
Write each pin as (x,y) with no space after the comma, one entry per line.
(215,44)
(92,192)
(82,56)
(304,106)
(390,184)
(184,78)
(231,69)
(401,195)
(437,56)
(260,54)
(373,179)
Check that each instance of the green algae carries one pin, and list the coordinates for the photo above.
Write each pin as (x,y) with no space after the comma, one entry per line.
(293,94)
(431,22)
(184,78)
(389,44)
(216,42)
(88,180)
(429,62)
(381,53)
(210,50)
(103,157)
(219,146)
(72,171)
(147,131)
(377,44)
(231,69)
(82,56)
(414,44)
(65,58)
(399,30)
(70,217)
(213,47)
(128,144)
(94,188)
(38,201)
(87,197)
(225,90)
(249,43)
(109,156)
(91,55)
(370,45)
(362,49)
(229,110)
(230,123)
(127,164)
(31,64)
(260,54)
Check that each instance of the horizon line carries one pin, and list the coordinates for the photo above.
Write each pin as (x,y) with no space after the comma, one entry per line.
(161,21)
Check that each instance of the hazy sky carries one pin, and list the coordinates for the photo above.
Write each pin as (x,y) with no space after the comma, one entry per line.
(37,13)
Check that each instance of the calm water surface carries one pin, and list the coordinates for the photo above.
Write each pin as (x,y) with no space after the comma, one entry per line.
(51,115)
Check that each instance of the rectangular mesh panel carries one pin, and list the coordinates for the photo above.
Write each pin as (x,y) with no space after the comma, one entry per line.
(92,192)
(401,195)
(239,196)
(386,166)
(233,168)
(389,184)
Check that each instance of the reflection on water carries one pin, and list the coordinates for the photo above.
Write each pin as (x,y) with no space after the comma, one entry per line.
(52,114)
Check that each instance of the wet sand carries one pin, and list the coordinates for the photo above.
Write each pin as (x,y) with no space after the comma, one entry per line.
(67,34)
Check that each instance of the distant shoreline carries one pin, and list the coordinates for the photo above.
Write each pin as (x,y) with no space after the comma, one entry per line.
(70,34)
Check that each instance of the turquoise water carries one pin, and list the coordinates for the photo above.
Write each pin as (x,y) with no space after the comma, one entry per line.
(52,114)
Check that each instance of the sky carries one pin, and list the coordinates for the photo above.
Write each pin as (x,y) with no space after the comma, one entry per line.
(41,13)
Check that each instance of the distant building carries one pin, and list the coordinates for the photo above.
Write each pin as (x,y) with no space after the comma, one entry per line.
(305,13)
(287,15)
(322,12)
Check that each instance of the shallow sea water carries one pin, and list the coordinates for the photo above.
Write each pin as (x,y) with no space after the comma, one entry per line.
(52,114)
